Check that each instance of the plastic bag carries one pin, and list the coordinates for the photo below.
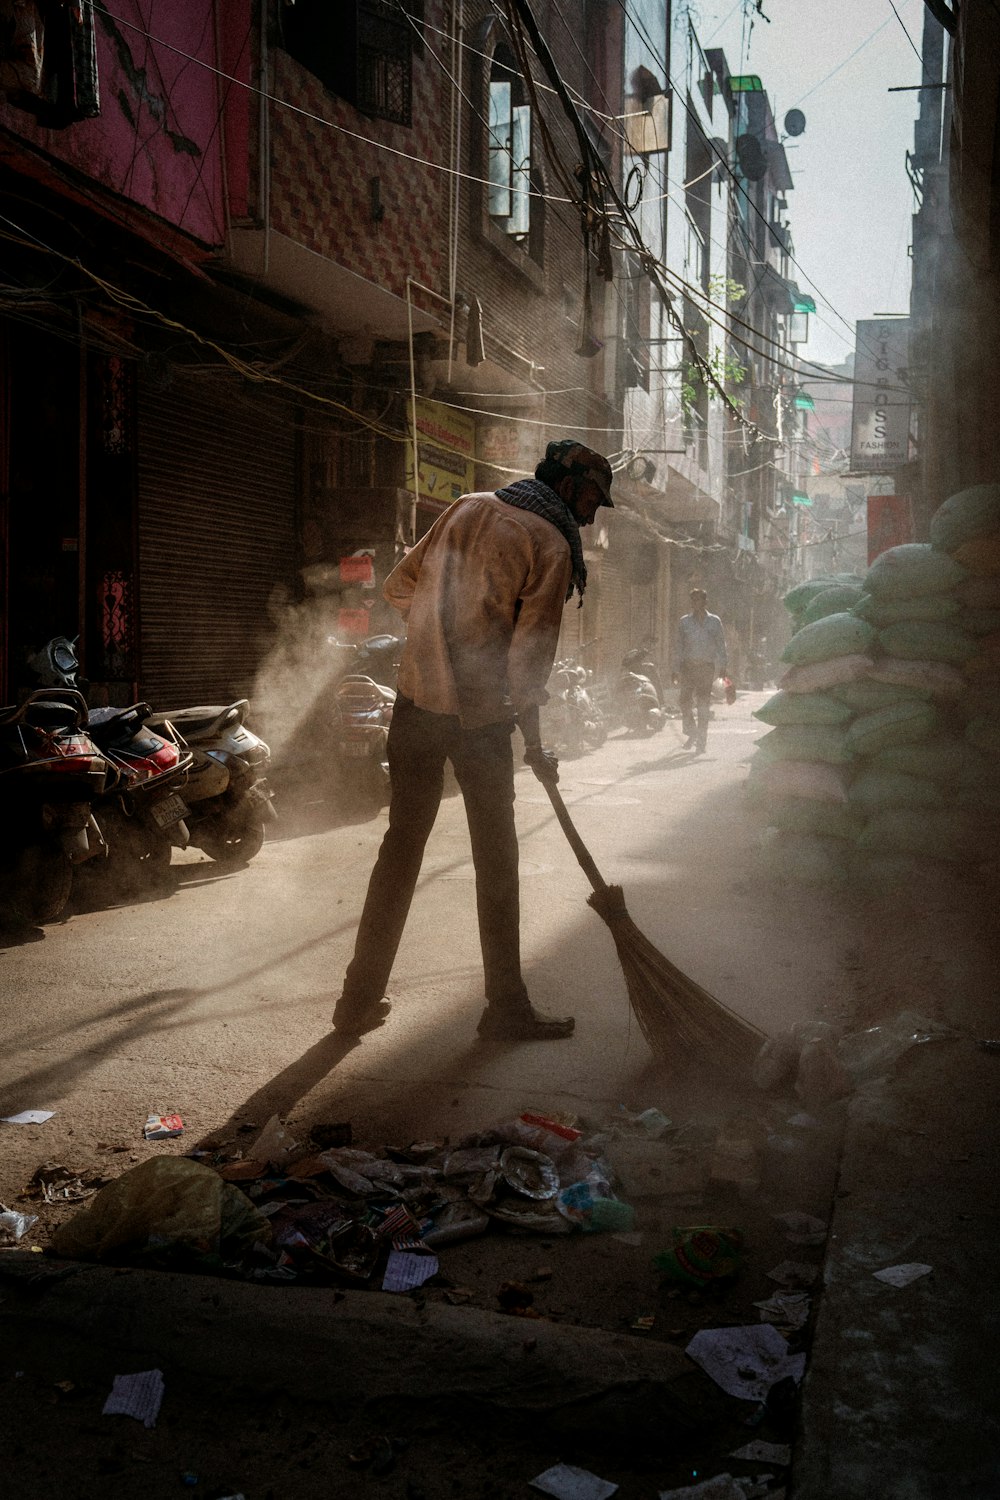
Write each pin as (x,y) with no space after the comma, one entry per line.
(864,1054)
(700,1254)
(166,1208)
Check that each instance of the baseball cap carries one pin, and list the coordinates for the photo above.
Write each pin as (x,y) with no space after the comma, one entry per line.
(578,459)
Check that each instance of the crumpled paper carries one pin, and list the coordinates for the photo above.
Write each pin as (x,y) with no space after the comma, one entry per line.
(745,1361)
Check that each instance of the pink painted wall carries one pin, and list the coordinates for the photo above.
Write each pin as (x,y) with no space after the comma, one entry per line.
(167,120)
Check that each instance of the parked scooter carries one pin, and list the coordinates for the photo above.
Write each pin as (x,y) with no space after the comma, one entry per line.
(573,720)
(141,813)
(639,704)
(363,699)
(51,773)
(227,793)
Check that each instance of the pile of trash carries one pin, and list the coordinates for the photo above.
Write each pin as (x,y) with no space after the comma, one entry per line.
(882,758)
(328,1210)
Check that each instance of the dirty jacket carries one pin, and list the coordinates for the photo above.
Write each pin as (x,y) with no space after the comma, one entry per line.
(482,593)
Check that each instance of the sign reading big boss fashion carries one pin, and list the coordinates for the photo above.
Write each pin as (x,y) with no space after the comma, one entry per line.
(446,446)
(880,427)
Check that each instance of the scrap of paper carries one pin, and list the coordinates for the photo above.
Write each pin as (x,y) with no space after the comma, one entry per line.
(404,1270)
(765,1453)
(900,1276)
(136,1396)
(794,1273)
(786,1309)
(28,1117)
(745,1361)
(720,1487)
(568,1483)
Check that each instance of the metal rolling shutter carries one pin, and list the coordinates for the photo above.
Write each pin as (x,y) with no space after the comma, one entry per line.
(217,486)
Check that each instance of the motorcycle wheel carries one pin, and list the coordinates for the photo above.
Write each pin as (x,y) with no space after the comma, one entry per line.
(238,847)
(595,734)
(39,884)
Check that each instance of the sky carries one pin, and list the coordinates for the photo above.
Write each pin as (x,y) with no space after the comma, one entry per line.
(850,211)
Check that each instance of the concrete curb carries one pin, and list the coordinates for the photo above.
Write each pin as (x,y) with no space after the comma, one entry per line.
(70,1319)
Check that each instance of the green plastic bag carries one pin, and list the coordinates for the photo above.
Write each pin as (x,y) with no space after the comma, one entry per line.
(966,516)
(170,1209)
(922,640)
(911,569)
(837,635)
(701,1253)
(876,789)
(802,708)
(900,724)
(805,742)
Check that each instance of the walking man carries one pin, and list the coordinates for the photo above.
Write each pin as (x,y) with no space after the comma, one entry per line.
(483,593)
(699,657)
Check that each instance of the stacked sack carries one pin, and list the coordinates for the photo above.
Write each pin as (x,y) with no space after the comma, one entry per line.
(904,769)
(800,773)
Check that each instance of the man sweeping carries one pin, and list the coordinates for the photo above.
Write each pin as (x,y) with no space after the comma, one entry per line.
(483,593)
(699,657)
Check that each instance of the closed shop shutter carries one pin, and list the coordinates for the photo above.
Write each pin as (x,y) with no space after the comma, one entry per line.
(217,487)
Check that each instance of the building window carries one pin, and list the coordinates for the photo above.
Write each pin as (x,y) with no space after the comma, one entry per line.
(362,51)
(509,150)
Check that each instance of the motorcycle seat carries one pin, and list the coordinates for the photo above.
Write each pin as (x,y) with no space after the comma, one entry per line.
(101,718)
(203,722)
(42,713)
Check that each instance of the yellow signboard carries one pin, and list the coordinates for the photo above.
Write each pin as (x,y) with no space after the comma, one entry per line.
(446,446)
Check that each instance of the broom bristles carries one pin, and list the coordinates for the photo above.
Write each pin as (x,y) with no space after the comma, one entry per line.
(676,1015)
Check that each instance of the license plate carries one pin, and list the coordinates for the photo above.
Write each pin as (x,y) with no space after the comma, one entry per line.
(169,810)
(356,749)
(258,794)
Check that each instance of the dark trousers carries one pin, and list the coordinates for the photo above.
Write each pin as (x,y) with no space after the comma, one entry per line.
(696,678)
(419,744)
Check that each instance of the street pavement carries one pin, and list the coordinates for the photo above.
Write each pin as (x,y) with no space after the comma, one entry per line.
(213,999)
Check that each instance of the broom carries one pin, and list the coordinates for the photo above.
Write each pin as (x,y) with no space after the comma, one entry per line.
(676,1015)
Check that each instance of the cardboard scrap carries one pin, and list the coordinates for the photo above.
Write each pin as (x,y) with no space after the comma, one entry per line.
(136,1396)
(765,1453)
(566,1482)
(162,1127)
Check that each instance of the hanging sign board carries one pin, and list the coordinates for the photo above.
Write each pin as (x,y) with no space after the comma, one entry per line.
(880,426)
(352,624)
(890,523)
(358,570)
(446,449)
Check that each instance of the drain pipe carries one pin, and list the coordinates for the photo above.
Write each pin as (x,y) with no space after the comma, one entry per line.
(456,165)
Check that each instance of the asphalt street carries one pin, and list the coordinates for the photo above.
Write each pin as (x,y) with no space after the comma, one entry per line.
(212,998)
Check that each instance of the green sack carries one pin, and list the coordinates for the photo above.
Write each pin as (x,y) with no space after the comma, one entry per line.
(881,612)
(798,599)
(911,569)
(979,621)
(832,601)
(900,724)
(807,858)
(824,742)
(876,789)
(802,708)
(801,815)
(938,833)
(866,696)
(842,634)
(984,733)
(920,640)
(948,760)
(967,516)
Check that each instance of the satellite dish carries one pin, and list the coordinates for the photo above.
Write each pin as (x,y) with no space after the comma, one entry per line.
(795,122)
(751,157)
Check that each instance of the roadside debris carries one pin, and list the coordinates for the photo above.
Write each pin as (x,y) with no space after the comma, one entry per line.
(58,1184)
(568,1483)
(779,1454)
(786,1310)
(162,1127)
(405,1270)
(14,1226)
(136,1396)
(701,1254)
(745,1361)
(900,1276)
(28,1117)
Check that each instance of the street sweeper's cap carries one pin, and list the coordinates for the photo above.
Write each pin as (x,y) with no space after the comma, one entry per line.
(580,461)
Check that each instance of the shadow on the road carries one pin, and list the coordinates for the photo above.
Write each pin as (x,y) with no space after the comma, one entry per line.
(16,934)
(280,1094)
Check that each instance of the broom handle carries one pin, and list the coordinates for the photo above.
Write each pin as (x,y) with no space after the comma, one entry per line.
(579,848)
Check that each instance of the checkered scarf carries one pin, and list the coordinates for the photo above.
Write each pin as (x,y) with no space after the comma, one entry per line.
(542,500)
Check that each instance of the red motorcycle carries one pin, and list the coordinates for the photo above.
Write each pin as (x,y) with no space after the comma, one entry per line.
(51,775)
